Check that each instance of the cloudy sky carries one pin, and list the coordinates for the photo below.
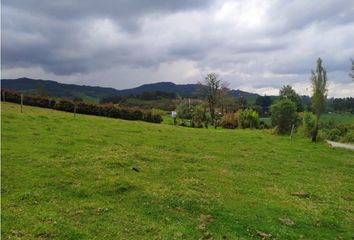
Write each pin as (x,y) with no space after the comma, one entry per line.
(255,45)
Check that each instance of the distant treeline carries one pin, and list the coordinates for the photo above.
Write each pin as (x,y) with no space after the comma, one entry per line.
(147,95)
(341,104)
(146,100)
(303,103)
(106,110)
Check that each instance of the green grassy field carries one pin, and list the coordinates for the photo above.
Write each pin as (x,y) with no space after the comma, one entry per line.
(339,118)
(88,177)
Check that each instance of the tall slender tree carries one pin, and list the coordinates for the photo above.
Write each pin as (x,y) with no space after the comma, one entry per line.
(319,94)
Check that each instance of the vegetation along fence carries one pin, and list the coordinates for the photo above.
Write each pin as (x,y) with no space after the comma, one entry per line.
(106,110)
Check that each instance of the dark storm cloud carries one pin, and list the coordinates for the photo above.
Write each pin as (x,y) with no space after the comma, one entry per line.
(36,32)
(127,12)
(114,8)
(253,43)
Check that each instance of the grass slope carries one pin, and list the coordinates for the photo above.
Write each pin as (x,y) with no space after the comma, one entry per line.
(338,118)
(66,177)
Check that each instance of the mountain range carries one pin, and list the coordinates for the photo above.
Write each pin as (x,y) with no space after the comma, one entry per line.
(95,93)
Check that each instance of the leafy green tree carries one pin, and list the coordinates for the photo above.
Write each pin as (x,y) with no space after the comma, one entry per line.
(319,94)
(184,111)
(284,115)
(289,93)
(264,103)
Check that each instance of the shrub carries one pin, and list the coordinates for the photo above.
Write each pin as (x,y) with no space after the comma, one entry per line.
(156,111)
(321,135)
(284,115)
(263,125)
(10,96)
(207,119)
(198,116)
(52,103)
(247,118)
(349,137)
(184,111)
(150,117)
(308,122)
(336,132)
(65,105)
(228,121)
(136,114)
(182,124)
(333,134)
(109,110)
(43,102)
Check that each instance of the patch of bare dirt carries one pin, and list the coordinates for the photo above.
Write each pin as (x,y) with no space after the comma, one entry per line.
(203,219)
(264,235)
(287,221)
(207,236)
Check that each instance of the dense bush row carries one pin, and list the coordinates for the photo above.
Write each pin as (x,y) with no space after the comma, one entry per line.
(246,118)
(337,132)
(328,130)
(107,110)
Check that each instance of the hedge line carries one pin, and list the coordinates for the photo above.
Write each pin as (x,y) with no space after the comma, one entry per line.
(106,110)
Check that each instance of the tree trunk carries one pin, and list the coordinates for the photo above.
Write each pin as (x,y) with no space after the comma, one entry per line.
(212,113)
(315,131)
(314,134)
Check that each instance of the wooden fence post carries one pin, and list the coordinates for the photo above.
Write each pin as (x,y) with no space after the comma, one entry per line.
(74,109)
(292,131)
(21,102)
(3,96)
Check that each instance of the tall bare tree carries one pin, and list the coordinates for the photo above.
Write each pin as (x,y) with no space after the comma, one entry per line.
(225,99)
(319,94)
(213,87)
